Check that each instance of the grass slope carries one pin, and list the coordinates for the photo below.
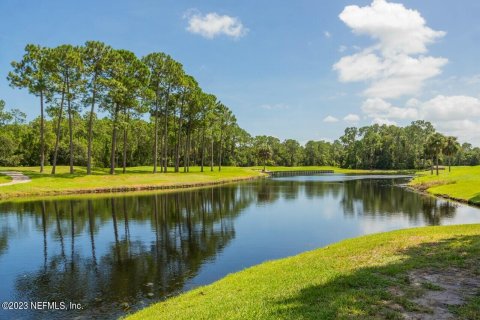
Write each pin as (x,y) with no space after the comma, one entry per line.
(136,177)
(350,279)
(462,183)
(4,178)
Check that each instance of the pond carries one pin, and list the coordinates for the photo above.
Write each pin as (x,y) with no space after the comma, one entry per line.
(116,254)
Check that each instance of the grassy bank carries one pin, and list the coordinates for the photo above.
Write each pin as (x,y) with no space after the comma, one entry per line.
(4,178)
(462,183)
(136,178)
(375,276)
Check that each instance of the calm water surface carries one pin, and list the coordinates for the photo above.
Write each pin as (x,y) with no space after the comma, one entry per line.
(125,252)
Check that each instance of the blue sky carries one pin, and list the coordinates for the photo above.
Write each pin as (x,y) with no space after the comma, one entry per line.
(294,69)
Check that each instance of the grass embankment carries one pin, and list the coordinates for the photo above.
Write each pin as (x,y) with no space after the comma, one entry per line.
(376,276)
(136,178)
(462,184)
(4,178)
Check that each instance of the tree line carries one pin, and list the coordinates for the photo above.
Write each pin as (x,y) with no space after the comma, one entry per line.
(74,83)
(106,107)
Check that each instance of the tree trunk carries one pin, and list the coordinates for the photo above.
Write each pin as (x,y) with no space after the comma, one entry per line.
(155,147)
(179,137)
(165,133)
(125,133)
(59,128)
(90,127)
(42,134)
(186,164)
(436,162)
(449,164)
(431,167)
(211,156)
(70,125)
(114,141)
(185,153)
(203,150)
(220,152)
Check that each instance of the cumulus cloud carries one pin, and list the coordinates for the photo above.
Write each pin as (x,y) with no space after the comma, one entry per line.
(212,24)
(330,119)
(381,109)
(382,121)
(327,34)
(396,64)
(451,108)
(397,29)
(352,118)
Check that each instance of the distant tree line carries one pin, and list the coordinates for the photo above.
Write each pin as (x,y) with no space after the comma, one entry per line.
(103,107)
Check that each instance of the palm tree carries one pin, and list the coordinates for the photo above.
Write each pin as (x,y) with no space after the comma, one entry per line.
(435,146)
(264,152)
(450,149)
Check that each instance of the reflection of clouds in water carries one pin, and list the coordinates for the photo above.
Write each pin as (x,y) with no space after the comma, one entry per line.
(381,224)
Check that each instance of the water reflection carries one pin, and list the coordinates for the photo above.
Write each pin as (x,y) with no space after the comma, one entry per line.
(113,254)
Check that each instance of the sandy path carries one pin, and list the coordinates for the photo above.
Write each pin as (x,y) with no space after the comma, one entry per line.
(17,177)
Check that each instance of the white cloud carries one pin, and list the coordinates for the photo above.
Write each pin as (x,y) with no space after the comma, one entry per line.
(397,29)
(330,119)
(357,67)
(342,48)
(327,34)
(382,121)
(395,65)
(352,118)
(381,109)
(212,24)
(451,108)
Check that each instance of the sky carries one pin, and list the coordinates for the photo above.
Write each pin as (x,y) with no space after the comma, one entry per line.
(303,69)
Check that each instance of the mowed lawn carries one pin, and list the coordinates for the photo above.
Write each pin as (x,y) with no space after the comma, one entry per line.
(363,278)
(4,178)
(64,182)
(462,183)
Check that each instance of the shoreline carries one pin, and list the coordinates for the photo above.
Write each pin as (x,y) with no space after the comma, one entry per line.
(148,184)
(128,189)
(460,185)
(423,191)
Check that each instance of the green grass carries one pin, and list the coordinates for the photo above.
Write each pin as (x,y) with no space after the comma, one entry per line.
(135,178)
(4,178)
(353,279)
(462,183)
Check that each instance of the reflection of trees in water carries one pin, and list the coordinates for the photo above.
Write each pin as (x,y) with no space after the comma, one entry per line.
(383,198)
(187,229)
(362,197)
(270,190)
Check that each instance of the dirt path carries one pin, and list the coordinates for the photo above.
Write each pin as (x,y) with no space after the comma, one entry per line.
(17,177)
(436,291)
